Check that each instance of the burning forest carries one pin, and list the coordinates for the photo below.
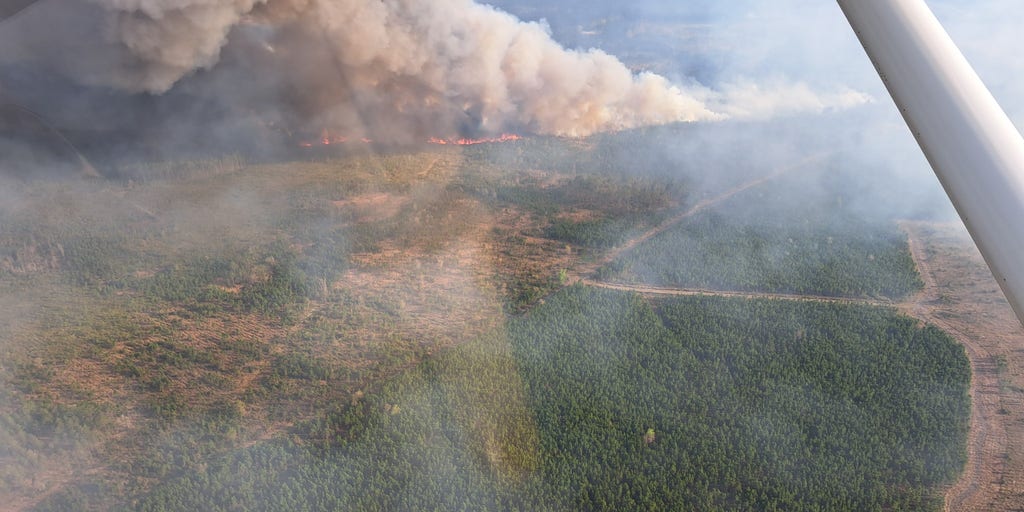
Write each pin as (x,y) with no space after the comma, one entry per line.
(329,139)
(442,254)
(161,80)
(394,72)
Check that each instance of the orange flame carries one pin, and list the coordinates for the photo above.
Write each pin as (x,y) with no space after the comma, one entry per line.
(505,137)
(327,138)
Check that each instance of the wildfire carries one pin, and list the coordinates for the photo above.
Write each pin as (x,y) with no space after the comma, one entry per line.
(327,138)
(505,137)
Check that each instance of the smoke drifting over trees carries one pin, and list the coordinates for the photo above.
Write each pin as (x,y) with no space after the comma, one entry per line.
(370,67)
(395,70)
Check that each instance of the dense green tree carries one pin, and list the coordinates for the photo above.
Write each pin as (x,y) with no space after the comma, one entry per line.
(756,405)
(773,239)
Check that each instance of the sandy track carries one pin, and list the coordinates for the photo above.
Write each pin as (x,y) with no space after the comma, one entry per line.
(590,268)
(693,292)
(965,302)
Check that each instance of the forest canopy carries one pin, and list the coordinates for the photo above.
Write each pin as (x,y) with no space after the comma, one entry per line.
(754,405)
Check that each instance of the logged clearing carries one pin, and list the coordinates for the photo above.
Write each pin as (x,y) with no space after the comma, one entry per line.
(962,298)
(160,340)
(152,325)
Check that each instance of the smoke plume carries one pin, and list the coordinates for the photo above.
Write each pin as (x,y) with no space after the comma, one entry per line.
(391,68)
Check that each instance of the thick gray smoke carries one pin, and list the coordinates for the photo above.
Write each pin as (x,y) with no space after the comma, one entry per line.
(452,62)
(395,69)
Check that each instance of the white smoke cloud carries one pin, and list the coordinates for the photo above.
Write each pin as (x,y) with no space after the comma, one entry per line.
(759,101)
(456,61)
(392,69)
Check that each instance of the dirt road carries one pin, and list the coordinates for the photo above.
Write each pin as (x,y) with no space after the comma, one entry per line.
(590,268)
(962,298)
(692,292)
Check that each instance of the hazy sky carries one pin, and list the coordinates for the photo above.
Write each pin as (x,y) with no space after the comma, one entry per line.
(799,40)
(808,42)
